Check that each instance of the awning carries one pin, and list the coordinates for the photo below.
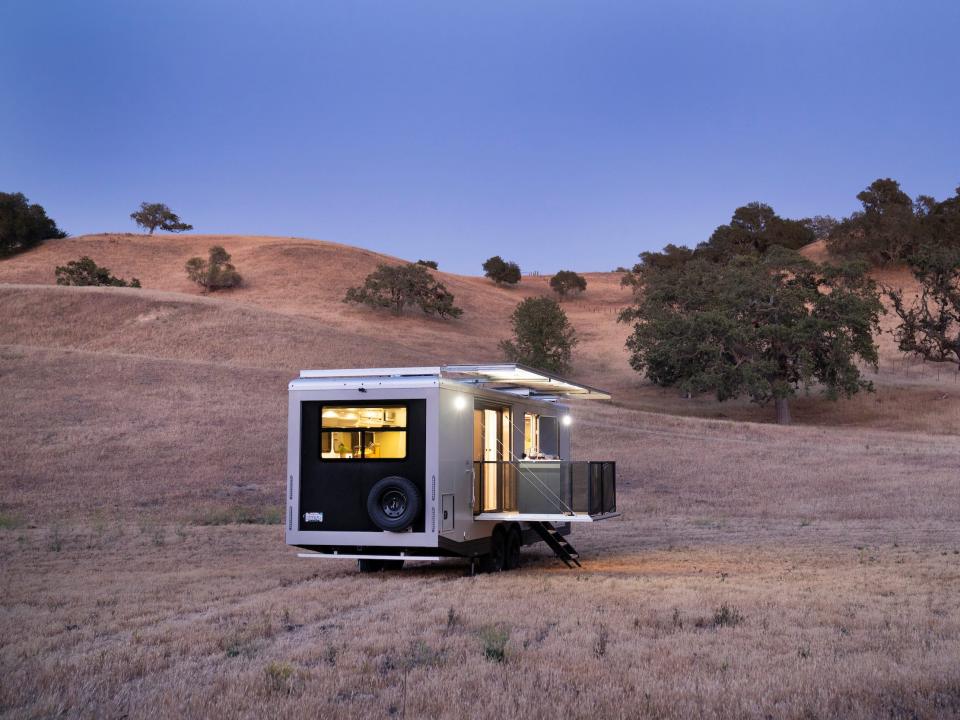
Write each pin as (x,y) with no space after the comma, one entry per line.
(513,376)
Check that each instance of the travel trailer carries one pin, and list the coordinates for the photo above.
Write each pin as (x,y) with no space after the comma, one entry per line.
(426,463)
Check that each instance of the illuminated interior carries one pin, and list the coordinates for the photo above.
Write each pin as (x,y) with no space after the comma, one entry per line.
(491,447)
(531,431)
(363,433)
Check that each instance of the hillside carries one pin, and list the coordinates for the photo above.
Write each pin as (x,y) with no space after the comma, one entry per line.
(306,280)
(288,315)
(116,383)
(143,444)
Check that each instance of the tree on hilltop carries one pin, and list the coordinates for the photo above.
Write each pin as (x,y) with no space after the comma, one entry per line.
(153,216)
(22,225)
(501,271)
(754,229)
(568,281)
(884,230)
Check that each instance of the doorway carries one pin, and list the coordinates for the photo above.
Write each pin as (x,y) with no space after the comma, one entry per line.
(491,458)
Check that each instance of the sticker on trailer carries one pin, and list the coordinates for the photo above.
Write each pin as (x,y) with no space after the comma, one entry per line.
(313,517)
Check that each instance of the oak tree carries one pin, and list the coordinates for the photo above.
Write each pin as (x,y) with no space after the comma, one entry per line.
(930,326)
(568,281)
(542,335)
(757,326)
(397,286)
(501,271)
(214,273)
(153,216)
(23,225)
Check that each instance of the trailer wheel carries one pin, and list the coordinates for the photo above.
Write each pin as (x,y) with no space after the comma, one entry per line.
(393,503)
(512,556)
(494,560)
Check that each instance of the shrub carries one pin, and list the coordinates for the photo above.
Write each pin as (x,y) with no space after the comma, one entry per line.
(542,336)
(215,273)
(495,639)
(86,272)
(22,225)
(13,522)
(567,281)
(727,616)
(152,216)
(501,271)
(432,264)
(283,679)
(396,286)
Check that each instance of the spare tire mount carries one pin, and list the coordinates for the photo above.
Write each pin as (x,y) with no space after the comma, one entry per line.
(393,503)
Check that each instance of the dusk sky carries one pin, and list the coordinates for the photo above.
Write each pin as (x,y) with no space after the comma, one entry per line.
(556,134)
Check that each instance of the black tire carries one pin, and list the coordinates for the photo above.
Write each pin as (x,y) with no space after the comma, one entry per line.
(393,503)
(512,555)
(370,565)
(494,560)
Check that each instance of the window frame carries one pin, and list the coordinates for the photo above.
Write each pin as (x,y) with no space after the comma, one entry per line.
(363,431)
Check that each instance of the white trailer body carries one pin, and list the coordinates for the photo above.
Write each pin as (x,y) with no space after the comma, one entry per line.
(471,461)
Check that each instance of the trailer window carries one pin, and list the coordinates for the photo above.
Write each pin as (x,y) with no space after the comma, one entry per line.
(363,432)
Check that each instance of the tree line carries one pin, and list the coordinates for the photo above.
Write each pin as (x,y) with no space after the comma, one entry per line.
(745,314)
(741,313)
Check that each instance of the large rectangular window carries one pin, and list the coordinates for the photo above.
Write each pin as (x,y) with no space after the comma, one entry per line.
(363,432)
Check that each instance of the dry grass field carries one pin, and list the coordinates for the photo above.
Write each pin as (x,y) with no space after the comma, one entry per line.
(811,571)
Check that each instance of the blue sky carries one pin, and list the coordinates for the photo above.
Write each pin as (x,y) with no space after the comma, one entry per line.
(556,134)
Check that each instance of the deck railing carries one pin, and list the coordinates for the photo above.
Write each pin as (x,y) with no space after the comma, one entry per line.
(545,486)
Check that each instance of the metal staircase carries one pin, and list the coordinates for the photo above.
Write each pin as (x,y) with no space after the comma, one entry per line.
(557,542)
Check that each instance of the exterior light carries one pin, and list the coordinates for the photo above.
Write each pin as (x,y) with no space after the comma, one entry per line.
(567,419)
(459,402)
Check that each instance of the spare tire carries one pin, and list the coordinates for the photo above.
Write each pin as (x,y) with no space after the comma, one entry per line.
(393,503)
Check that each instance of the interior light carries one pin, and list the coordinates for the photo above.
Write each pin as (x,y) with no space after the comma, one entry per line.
(567,419)
(459,402)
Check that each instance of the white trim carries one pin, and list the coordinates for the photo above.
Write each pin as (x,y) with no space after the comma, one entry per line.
(342,556)
(506,377)
(541,517)
(373,372)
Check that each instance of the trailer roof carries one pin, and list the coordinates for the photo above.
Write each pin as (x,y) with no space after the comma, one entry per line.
(509,377)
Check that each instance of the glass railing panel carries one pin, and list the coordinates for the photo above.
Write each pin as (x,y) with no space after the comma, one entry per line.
(542,486)
(545,487)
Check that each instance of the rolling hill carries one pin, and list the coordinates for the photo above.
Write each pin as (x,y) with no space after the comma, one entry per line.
(142,572)
(114,386)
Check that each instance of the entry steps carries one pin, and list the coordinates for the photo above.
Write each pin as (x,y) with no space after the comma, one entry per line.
(557,542)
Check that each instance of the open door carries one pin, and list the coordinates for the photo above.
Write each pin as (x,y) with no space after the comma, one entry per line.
(491,458)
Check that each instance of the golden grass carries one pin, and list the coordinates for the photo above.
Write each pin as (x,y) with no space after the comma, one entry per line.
(757,571)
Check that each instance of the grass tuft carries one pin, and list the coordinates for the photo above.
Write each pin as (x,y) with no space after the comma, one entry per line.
(494,639)
(10,521)
(283,679)
(727,616)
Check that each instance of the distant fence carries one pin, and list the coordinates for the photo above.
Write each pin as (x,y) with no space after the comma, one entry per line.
(918,369)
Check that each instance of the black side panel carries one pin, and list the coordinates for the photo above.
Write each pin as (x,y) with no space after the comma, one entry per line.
(339,488)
